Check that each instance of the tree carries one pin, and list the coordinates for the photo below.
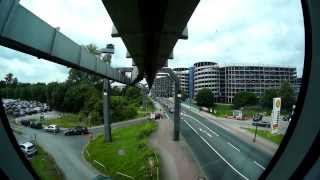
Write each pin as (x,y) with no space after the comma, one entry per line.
(93,49)
(8,78)
(286,93)
(242,99)
(266,99)
(205,98)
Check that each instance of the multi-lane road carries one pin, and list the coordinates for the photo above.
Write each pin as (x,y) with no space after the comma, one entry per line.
(221,154)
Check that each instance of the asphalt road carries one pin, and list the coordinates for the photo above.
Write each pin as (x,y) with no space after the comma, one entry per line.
(66,151)
(221,154)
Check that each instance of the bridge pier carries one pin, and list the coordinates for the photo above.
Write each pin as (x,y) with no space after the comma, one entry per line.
(177,108)
(106,110)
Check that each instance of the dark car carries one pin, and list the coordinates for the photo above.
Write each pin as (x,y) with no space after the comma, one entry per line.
(25,122)
(157,116)
(257,117)
(76,131)
(36,125)
(262,124)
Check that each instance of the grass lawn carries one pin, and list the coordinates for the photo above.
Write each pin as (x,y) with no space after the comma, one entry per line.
(66,121)
(129,153)
(45,166)
(267,135)
(223,110)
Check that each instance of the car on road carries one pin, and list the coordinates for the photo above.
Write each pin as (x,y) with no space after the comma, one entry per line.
(79,130)
(52,128)
(171,110)
(36,125)
(28,148)
(262,124)
(25,122)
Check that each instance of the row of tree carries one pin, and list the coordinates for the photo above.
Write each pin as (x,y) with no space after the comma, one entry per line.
(80,93)
(206,98)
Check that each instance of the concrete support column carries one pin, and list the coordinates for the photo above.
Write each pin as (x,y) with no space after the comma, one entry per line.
(106,110)
(176,118)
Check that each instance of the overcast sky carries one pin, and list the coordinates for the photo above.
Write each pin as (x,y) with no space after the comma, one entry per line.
(227,32)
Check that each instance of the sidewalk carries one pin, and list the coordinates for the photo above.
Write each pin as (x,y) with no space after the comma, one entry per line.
(176,157)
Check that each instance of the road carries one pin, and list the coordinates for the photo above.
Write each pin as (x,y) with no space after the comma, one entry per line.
(221,154)
(66,151)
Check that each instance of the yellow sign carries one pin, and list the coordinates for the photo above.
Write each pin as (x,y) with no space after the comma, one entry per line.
(278,103)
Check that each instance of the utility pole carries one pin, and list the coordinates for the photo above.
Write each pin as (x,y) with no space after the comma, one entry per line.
(108,51)
(106,110)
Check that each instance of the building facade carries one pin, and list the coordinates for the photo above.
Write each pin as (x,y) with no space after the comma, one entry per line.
(162,87)
(183,75)
(226,81)
(206,75)
(254,79)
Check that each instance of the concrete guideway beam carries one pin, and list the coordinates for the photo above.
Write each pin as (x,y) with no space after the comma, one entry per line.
(21,30)
(150,30)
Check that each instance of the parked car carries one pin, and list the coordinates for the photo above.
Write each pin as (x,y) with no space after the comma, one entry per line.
(158,116)
(286,118)
(36,125)
(52,128)
(28,148)
(79,130)
(257,117)
(25,122)
(262,124)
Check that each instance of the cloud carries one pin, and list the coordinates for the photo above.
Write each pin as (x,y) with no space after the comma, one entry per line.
(30,69)
(227,32)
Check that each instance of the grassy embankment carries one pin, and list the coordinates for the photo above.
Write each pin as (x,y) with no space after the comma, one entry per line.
(45,166)
(267,135)
(128,154)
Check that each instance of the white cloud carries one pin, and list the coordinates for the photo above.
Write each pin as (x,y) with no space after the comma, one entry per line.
(234,31)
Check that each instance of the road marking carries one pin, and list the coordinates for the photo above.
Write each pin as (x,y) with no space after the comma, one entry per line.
(99,163)
(208,134)
(234,147)
(202,124)
(243,176)
(166,115)
(259,165)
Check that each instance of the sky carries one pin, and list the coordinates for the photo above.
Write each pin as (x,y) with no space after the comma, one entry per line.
(267,32)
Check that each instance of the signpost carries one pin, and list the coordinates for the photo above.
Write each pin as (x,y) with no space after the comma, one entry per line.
(275,115)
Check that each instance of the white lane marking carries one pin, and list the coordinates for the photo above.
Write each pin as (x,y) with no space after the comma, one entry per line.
(259,165)
(166,115)
(202,124)
(234,147)
(206,132)
(243,176)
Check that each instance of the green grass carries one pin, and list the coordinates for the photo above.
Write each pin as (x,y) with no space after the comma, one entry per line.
(45,166)
(132,141)
(223,110)
(267,135)
(66,121)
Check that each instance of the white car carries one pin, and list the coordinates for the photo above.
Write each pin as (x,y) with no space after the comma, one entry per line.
(28,148)
(52,128)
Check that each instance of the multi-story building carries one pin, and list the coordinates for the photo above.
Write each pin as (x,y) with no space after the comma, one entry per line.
(228,80)
(255,79)
(206,75)
(183,75)
(162,87)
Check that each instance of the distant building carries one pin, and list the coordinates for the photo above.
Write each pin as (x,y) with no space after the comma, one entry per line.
(183,75)
(162,87)
(228,80)
(255,79)
(207,75)
(297,85)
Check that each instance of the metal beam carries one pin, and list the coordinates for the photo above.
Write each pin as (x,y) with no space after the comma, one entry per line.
(21,30)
